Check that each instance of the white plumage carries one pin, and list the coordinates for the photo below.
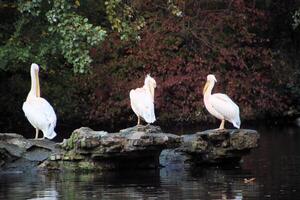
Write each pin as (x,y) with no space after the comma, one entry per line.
(142,100)
(38,111)
(220,105)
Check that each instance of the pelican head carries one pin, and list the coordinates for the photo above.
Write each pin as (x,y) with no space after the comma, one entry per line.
(150,81)
(211,79)
(34,67)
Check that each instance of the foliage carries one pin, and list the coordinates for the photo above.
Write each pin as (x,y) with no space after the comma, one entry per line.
(123,19)
(228,40)
(178,42)
(285,39)
(174,8)
(294,86)
(59,30)
(76,35)
(296,19)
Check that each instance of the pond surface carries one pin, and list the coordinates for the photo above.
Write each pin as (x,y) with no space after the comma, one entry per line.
(275,165)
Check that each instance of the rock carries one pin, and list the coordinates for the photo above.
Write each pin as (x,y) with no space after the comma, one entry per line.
(20,154)
(297,121)
(135,147)
(219,146)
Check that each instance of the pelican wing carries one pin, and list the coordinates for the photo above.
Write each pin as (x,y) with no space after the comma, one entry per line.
(226,107)
(41,115)
(142,104)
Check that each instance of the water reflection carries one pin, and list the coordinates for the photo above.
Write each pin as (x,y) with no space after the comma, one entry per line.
(21,186)
(275,165)
(209,183)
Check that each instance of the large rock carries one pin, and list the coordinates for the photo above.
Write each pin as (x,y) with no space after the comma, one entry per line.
(136,147)
(219,146)
(20,154)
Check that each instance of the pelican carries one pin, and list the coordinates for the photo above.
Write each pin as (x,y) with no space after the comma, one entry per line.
(220,105)
(38,111)
(142,100)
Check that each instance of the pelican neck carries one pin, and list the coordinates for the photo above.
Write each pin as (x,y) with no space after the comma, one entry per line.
(211,85)
(32,92)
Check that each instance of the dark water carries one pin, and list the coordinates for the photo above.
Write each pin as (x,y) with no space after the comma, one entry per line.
(275,165)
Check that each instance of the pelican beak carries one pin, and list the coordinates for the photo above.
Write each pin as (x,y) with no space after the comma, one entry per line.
(37,83)
(205,87)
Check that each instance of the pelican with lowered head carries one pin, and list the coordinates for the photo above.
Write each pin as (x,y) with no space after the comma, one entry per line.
(142,100)
(220,105)
(38,111)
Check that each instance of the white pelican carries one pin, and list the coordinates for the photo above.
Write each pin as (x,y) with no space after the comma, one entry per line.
(38,111)
(142,100)
(220,105)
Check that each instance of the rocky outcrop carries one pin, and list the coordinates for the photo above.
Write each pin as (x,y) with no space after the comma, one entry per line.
(219,146)
(136,147)
(20,154)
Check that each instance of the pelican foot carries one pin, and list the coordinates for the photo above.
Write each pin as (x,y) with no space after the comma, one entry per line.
(219,128)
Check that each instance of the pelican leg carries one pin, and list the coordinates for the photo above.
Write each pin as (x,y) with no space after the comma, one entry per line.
(222,124)
(36,133)
(42,138)
(139,120)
